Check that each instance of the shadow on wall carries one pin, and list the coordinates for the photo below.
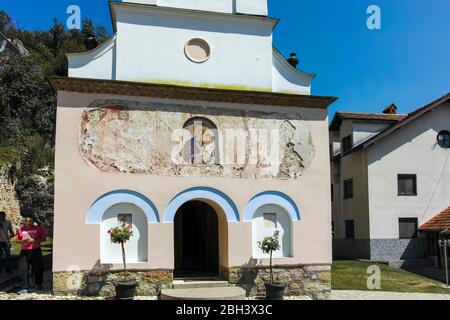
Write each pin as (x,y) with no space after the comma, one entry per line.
(248,275)
(95,279)
(415,249)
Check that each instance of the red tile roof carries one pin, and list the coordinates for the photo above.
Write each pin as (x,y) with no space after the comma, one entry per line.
(438,223)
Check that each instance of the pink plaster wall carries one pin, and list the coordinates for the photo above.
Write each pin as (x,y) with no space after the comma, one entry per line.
(78,185)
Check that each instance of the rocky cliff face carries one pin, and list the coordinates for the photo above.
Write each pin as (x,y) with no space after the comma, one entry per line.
(8,197)
(34,192)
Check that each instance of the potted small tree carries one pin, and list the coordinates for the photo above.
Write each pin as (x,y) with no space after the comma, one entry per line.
(274,291)
(126,287)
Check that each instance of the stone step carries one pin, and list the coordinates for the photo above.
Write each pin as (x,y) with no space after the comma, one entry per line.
(224,293)
(194,284)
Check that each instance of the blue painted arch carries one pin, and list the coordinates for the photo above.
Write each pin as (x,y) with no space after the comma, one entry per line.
(106,201)
(202,193)
(271,198)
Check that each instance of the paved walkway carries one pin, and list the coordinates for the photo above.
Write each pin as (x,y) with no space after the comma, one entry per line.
(379,295)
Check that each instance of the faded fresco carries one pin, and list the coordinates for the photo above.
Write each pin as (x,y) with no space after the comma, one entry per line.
(180,140)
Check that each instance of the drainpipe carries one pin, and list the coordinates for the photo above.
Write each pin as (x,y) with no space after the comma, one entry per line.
(445,244)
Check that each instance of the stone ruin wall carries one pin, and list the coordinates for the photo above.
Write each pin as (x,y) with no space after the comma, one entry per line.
(8,197)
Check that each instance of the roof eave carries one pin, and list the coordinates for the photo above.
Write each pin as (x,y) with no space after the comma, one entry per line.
(297,71)
(113,4)
(130,88)
(411,117)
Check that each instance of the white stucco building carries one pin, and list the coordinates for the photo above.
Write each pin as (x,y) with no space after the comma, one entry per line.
(231,38)
(390,175)
(189,125)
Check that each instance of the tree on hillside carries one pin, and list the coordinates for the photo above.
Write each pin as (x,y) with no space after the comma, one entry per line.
(27,108)
(5,22)
(26,103)
(48,48)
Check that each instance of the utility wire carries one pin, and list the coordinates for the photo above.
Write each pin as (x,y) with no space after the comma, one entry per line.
(437,185)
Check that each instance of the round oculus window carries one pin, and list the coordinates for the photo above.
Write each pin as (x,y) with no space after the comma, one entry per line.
(197,50)
(443,139)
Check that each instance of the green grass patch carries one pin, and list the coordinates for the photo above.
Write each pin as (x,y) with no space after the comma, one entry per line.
(352,275)
(46,247)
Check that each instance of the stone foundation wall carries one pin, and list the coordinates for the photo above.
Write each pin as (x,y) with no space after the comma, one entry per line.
(86,283)
(398,249)
(380,249)
(312,281)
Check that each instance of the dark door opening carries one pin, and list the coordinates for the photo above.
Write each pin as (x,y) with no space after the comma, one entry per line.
(196,241)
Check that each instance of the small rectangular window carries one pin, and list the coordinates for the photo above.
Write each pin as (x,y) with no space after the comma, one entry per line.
(125,219)
(350,229)
(347,143)
(407,228)
(348,189)
(407,184)
(270,220)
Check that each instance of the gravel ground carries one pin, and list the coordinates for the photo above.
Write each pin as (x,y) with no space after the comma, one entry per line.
(36,296)
(285,298)
(335,295)
(377,295)
(46,296)
(43,296)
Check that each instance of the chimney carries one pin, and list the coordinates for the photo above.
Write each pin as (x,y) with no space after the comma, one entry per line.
(90,43)
(293,61)
(391,109)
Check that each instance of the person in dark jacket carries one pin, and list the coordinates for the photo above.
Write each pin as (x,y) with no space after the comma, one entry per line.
(6,233)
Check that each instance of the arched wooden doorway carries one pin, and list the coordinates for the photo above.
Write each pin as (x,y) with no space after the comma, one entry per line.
(196,239)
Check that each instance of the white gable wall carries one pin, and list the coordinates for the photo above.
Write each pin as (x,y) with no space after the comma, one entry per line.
(225,6)
(392,156)
(286,79)
(363,131)
(254,7)
(150,48)
(99,63)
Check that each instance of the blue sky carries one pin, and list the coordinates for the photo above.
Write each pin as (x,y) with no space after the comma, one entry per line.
(407,62)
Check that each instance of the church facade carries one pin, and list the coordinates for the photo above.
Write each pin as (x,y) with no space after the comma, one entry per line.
(191,127)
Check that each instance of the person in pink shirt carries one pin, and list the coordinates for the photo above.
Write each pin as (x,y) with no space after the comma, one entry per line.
(30,237)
